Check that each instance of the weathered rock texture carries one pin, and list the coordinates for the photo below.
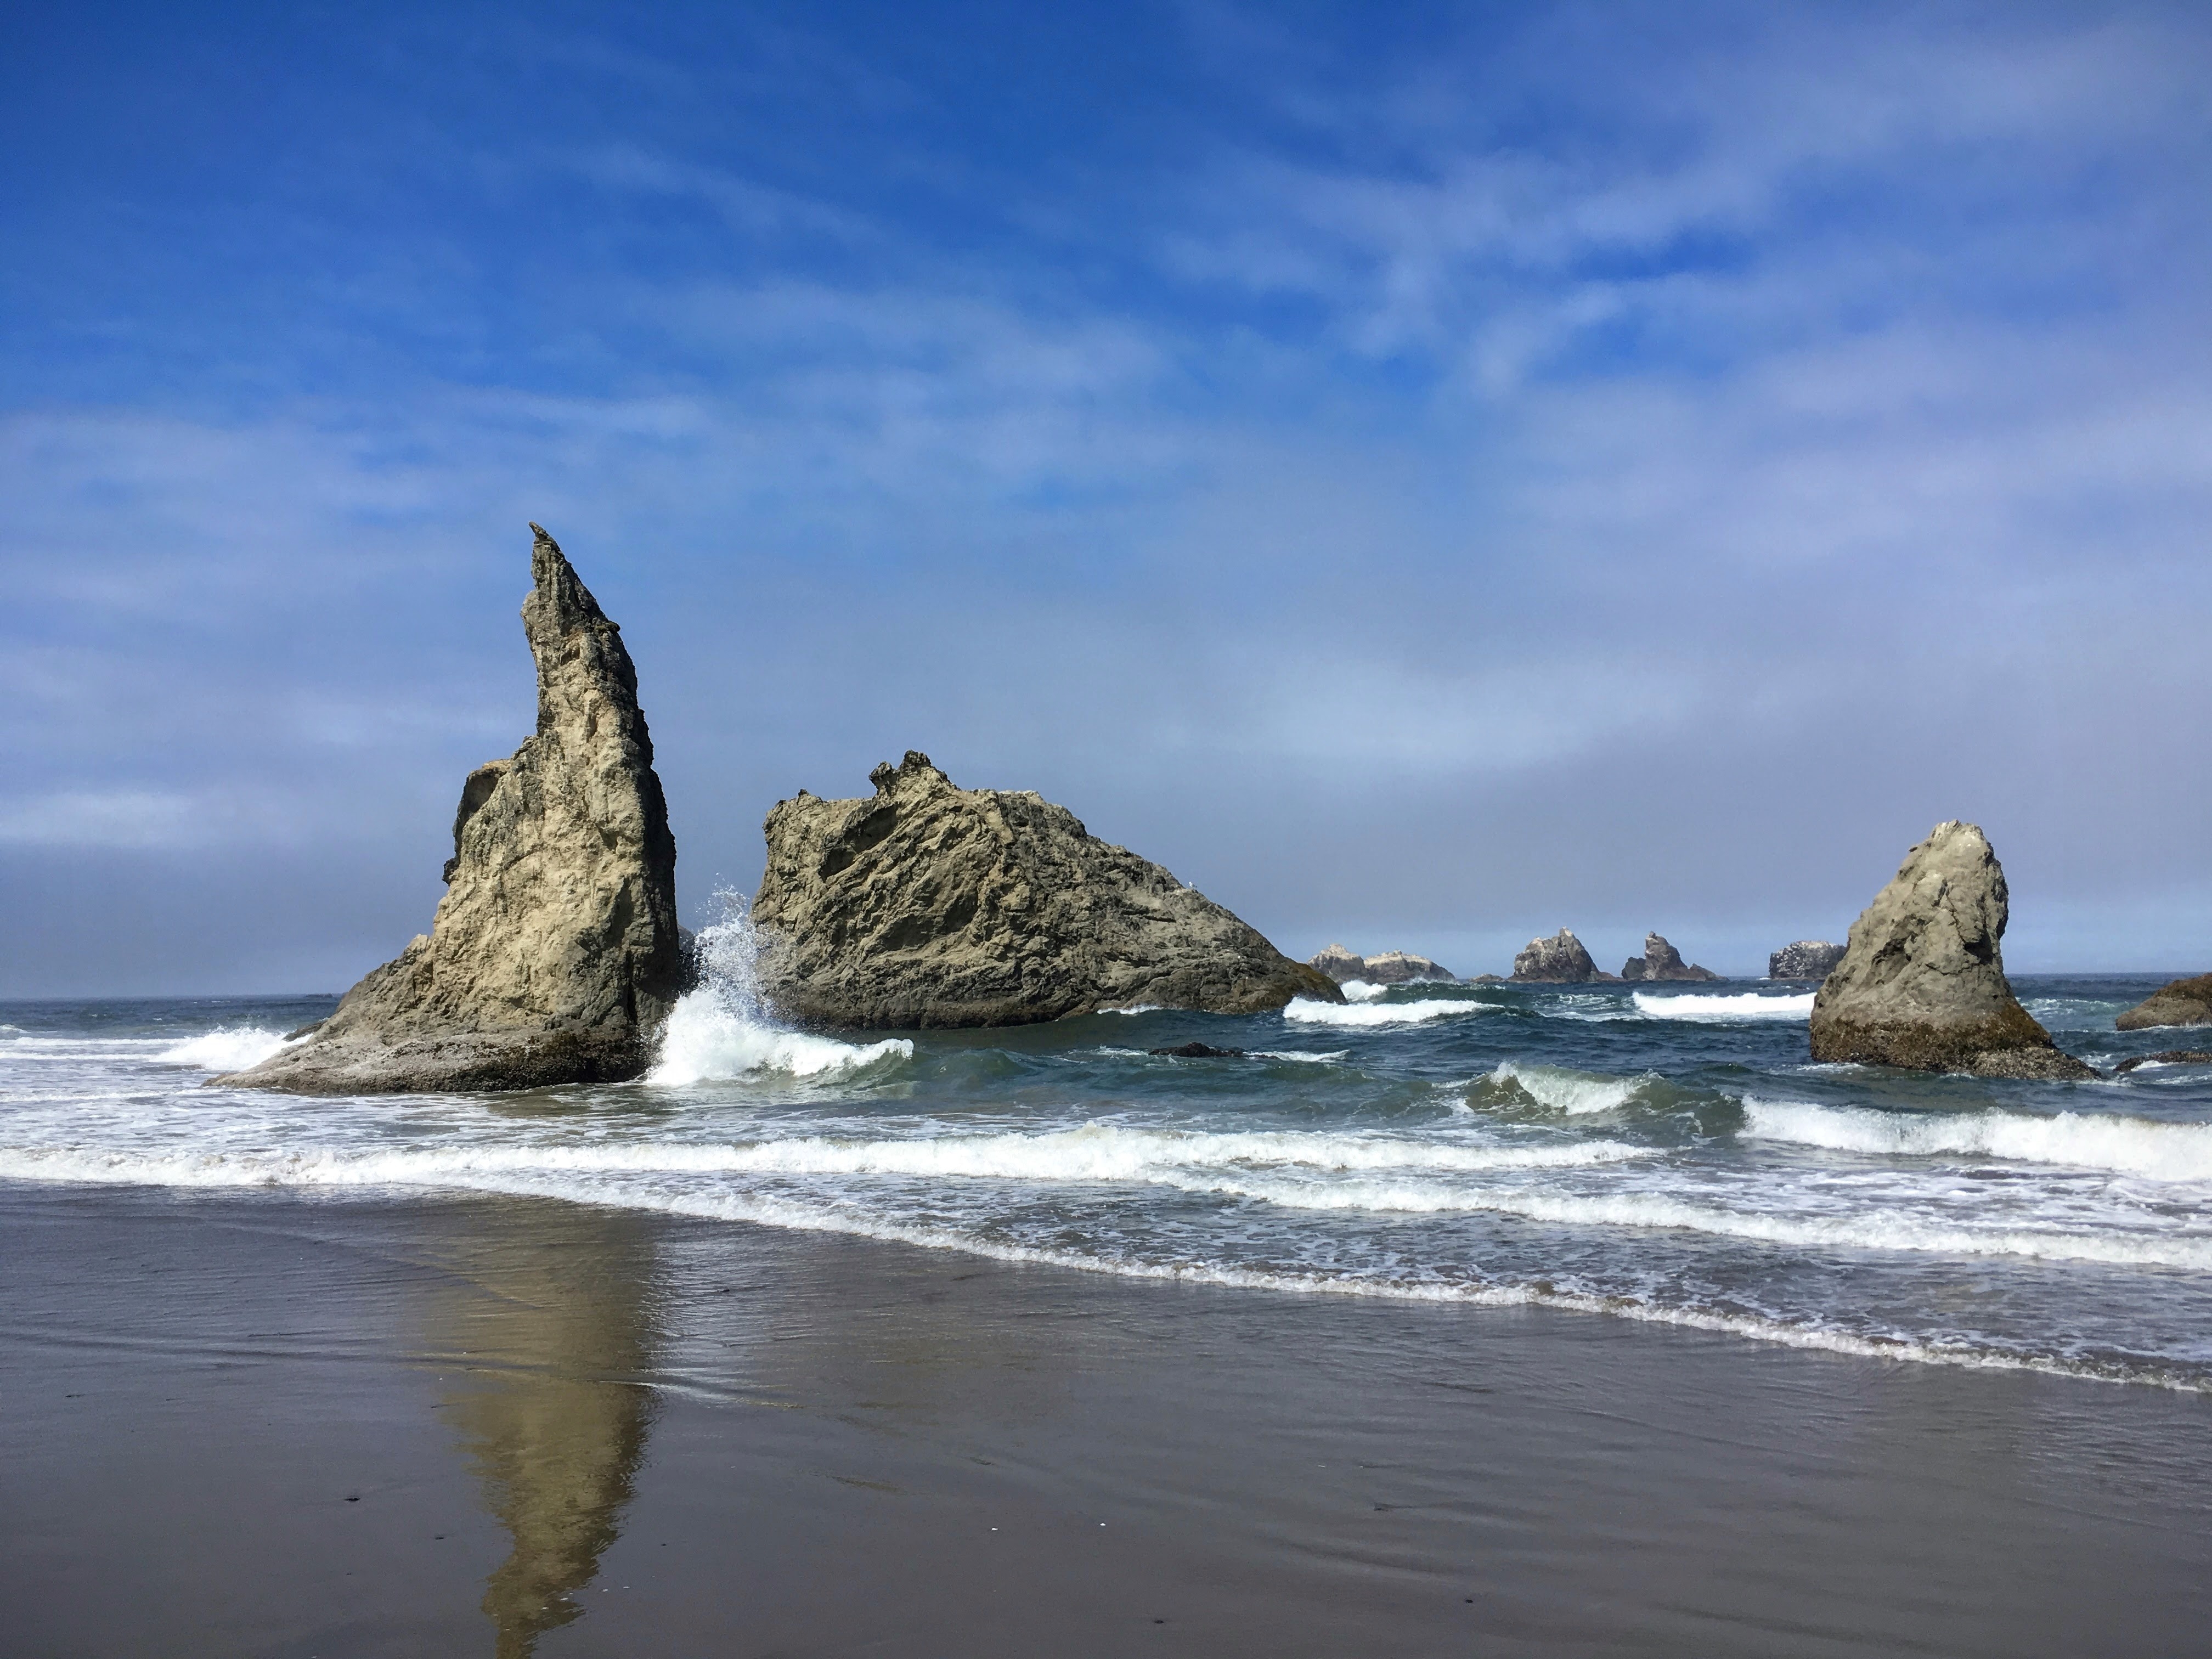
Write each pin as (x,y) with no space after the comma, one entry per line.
(1389,967)
(1809,958)
(554,952)
(1559,960)
(930,905)
(1922,983)
(2167,1057)
(2178,1002)
(1661,960)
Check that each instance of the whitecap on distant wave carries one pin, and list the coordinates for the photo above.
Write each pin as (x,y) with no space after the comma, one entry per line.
(1743,1005)
(226,1049)
(1381,1013)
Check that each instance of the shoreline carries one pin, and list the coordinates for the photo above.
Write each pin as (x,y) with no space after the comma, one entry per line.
(250,1421)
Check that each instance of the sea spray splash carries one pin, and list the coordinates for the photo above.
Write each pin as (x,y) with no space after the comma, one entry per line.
(721,1029)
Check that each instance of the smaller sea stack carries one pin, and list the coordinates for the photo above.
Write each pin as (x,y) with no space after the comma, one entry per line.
(1922,984)
(1387,968)
(1559,960)
(1661,960)
(2178,1002)
(1809,958)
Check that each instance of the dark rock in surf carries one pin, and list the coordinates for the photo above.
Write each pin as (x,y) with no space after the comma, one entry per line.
(1559,960)
(2167,1057)
(928,905)
(1809,958)
(1200,1051)
(1661,960)
(2178,1002)
(555,953)
(1922,983)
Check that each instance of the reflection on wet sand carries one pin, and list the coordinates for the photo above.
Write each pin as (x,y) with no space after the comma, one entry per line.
(549,1311)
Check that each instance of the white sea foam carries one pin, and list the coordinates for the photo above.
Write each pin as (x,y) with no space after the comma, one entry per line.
(1299,1054)
(1136,1008)
(226,1049)
(721,1030)
(2127,1145)
(1381,1013)
(1743,1005)
(1360,990)
(1565,1090)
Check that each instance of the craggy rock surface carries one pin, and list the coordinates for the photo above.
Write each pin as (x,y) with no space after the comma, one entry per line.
(1559,960)
(2178,1002)
(1809,958)
(554,952)
(1661,960)
(1391,968)
(926,905)
(1922,983)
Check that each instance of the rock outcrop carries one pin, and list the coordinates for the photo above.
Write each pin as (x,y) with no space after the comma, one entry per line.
(1809,958)
(1389,967)
(2178,1002)
(928,905)
(1661,960)
(554,952)
(2167,1057)
(1559,960)
(1922,983)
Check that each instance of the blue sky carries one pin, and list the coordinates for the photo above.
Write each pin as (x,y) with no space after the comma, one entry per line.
(1426,477)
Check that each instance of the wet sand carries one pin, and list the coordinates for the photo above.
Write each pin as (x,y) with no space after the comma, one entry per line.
(260,1422)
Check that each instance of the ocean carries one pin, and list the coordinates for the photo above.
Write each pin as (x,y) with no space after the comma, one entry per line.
(1660,1154)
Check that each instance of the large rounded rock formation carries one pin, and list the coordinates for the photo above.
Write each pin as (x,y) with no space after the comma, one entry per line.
(1923,984)
(928,905)
(555,953)
(1386,967)
(1661,960)
(1809,958)
(2178,1002)
(1559,960)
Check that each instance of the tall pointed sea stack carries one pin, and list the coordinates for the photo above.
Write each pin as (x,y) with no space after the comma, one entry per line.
(1923,984)
(931,905)
(554,952)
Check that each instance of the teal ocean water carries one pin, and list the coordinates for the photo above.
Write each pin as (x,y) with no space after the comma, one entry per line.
(1664,1154)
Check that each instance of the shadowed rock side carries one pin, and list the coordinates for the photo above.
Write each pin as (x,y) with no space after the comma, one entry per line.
(1389,967)
(2178,1002)
(1809,958)
(554,952)
(1661,960)
(928,905)
(1922,983)
(1559,960)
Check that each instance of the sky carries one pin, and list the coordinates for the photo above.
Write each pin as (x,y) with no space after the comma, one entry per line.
(1427,476)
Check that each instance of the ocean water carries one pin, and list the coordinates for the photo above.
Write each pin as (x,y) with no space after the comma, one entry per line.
(1648,1154)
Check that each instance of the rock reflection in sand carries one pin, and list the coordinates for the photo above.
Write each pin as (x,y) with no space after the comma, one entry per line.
(548,1310)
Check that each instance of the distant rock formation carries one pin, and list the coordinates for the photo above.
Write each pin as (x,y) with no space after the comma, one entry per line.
(1922,983)
(1340,963)
(554,952)
(2167,1057)
(1391,968)
(929,905)
(2178,1002)
(1559,960)
(1809,958)
(1661,960)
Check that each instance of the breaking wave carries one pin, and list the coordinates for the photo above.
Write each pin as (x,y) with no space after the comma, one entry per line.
(1743,1005)
(2123,1146)
(1381,1013)
(1565,1090)
(226,1049)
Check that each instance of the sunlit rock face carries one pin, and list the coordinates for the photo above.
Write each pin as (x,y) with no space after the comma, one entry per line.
(555,954)
(2178,1002)
(930,905)
(1923,984)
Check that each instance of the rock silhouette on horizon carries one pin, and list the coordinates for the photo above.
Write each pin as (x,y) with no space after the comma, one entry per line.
(1809,958)
(1388,967)
(1661,960)
(928,905)
(1559,960)
(555,953)
(2177,1002)
(1922,984)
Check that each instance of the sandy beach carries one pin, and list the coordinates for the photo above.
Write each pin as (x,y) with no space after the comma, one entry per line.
(260,1423)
